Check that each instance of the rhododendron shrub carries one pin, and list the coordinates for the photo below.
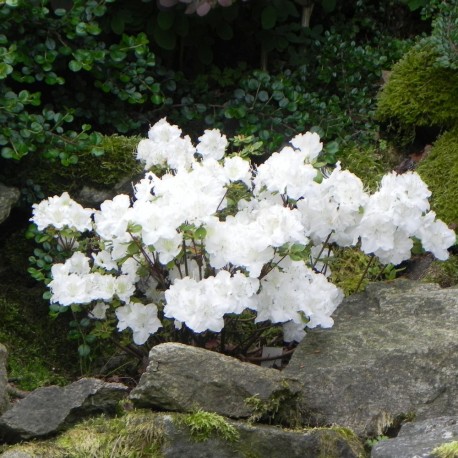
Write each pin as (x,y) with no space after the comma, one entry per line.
(185,251)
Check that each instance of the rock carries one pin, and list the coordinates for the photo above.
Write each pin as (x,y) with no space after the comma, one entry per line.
(392,353)
(418,439)
(182,378)
(8,197)
(260,441)
(145,433)
(4,400)
(18,454)
(49,410)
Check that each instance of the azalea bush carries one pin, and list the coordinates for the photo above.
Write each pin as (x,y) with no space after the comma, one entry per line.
(208,239)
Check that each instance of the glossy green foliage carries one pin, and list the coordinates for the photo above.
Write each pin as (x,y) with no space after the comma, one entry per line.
(61,71)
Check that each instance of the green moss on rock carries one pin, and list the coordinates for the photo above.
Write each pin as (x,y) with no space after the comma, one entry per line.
(440,172)
(448,450)
(117,162)
(134,435)
(419,93)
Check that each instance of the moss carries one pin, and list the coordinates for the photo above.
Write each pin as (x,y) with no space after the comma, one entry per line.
(281,408)
(117,162)
(38,351)
(439,170)
(204,425)
(418,93)
(448,450)
(368,163)
(445,273)
(134,435)
(348,270)
(334,440)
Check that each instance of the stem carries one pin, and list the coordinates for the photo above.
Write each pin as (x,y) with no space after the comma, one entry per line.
(364,273)
(321,251)
(269,358)
(155,272)
(186,270)
(219,205)
(272,267)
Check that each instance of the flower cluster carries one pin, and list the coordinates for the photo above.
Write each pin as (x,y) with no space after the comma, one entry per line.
(183,247)
(200,7)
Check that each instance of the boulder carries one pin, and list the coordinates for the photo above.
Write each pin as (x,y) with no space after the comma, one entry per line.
(184,378)
(392,354)
(49,410)
(8,197)
(4,401)
(146,433)
(260,441)
(418,439)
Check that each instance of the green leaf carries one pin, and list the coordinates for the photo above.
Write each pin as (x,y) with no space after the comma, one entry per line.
(97,151)
(268,17)
(5,70)
(263,96)
(166,39)
(328,5)
(133,249)
(74,66)
(225,31)
(165,19)
(200,233)
(60,11)
(84,350)
(12,3)
(117,24)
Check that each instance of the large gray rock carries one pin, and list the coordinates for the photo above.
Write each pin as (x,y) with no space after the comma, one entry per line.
(4,400)
(418,439)
(169,437)
(49,410)
(392,352)
(182,378)
(260,441)
(8,197)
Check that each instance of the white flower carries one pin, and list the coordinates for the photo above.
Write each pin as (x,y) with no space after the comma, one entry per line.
(435,236)
(165,147)
(62,211)
(71,289)
(203,304)
(112,219)
(309,144)
(293,332)
(124,287)
(297,293)
(237,169)
(212,144)
(142,319)
(285,172)
(99,312)
(104,260)
(169,248)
